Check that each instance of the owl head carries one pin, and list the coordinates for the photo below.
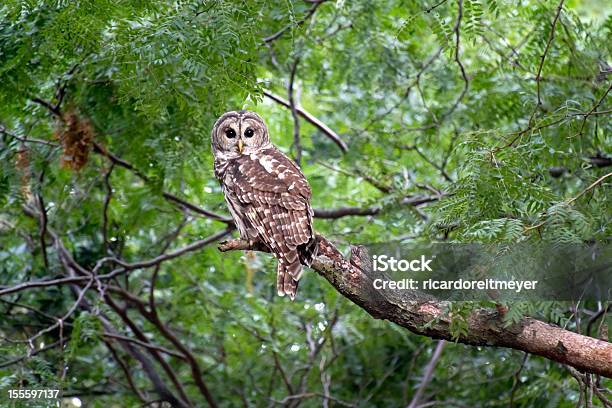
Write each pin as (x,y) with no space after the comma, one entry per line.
(239,132)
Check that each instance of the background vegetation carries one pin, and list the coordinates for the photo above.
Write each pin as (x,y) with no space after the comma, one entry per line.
(462,121)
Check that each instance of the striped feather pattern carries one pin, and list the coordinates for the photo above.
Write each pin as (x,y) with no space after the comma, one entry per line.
(269,199)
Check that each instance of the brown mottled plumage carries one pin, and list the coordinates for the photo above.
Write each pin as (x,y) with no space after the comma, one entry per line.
(267,194)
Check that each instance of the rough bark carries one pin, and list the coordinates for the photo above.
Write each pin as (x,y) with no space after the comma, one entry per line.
(422,314)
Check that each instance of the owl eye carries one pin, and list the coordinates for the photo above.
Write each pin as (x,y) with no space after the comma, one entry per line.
(249,132)
(230,133)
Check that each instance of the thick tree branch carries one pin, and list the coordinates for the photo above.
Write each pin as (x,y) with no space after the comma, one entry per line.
(426,316)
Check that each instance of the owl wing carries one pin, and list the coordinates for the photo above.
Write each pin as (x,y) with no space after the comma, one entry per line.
(275,199)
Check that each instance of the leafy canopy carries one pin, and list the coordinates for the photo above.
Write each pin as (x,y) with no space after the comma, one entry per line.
(498,111)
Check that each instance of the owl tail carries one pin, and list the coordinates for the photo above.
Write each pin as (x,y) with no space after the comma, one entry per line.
(289,269)
(287,277)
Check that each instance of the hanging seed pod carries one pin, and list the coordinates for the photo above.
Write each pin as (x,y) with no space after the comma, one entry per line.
(22,164)
(76,136)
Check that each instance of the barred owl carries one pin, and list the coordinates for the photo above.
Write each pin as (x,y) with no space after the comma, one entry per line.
(267,194)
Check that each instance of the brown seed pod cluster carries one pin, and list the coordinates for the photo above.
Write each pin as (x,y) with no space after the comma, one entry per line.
(76,136)
(22,164)
(22,161)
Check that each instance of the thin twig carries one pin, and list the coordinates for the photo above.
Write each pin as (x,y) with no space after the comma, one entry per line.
(145,345)
(438,167)
(107,200)
(7,290)
(305,395)
(124,267)
(427,374)
(296,119)
(594,108)
(466,82)
(67,315)
(168,196)
(516,378)
(147,367)
(30,354)
(310,119)
(5,131)
(165,247)
(126,371)
(571,200)
(432,8)
(586,190)
(122,313)
(43,228)
(551,37)
(333,213)
(52,109)
(309,13)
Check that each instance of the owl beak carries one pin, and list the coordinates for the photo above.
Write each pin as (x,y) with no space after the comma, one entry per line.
(240,146)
